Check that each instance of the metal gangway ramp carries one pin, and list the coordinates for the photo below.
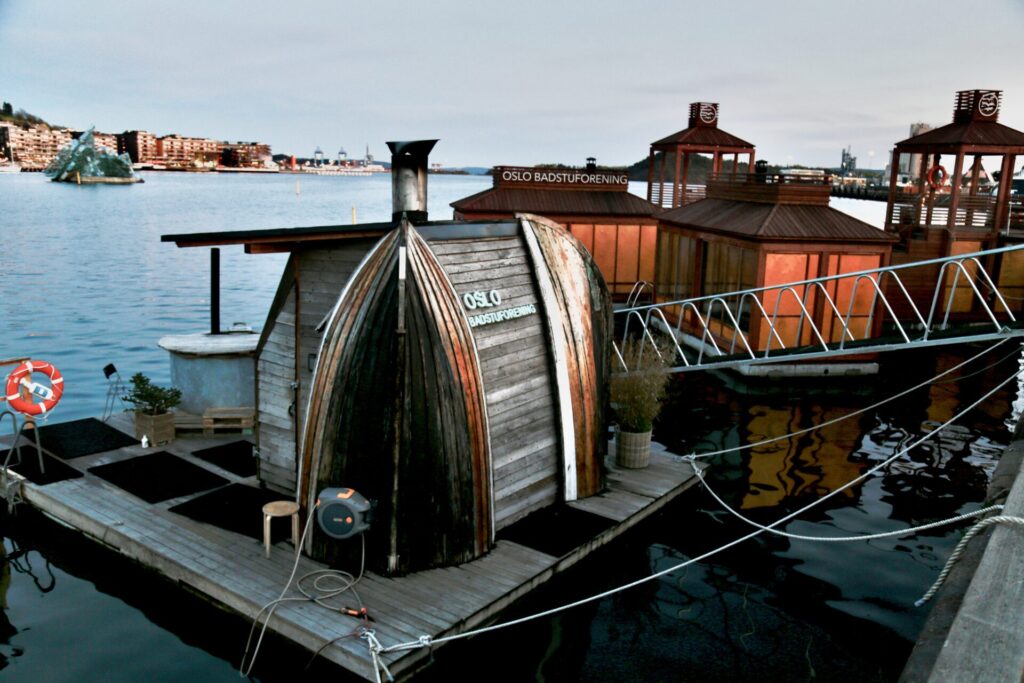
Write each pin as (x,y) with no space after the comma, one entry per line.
(853,313)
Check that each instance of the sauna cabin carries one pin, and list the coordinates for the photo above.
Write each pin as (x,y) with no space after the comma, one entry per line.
(592,203)
(950,206)
(759,230)
(452,372)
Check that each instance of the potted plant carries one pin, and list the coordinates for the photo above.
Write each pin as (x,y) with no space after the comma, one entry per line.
(636,396)
(152,404)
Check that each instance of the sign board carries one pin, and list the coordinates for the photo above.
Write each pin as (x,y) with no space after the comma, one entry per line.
(565,178)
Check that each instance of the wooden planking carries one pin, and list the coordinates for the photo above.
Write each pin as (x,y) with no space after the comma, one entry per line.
(275,372)
(231,569)
(516,371)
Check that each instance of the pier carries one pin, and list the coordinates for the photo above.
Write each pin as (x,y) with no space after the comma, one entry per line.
(230,568)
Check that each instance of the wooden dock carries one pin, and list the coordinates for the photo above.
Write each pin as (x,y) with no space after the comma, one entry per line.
(231,568)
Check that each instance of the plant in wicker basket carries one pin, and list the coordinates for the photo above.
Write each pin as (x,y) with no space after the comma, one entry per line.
(636,397)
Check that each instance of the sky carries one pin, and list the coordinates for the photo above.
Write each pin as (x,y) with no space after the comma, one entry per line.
(514,83)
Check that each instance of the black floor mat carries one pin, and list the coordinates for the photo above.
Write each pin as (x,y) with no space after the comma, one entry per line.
(556,530)
(235,457)
(56,470)
(158,476)
(237,508)
(74,439)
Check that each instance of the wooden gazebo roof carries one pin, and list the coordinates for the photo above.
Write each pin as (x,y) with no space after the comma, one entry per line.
(703,134)
(975,129)
(555,202)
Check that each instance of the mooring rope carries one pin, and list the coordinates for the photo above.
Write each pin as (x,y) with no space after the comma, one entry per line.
(841,539)
(421,642)
(961,546)
(835,420)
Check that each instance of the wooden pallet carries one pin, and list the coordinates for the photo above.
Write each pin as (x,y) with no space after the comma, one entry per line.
(216,420)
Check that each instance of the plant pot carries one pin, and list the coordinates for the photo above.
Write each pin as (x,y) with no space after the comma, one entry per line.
(159,429)
(632,449)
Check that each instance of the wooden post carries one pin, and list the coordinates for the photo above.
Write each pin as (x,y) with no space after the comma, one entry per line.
(675,183)
(894,174)
(1002,213)
(686,173)
(650,176)
(973,190)
(954,190)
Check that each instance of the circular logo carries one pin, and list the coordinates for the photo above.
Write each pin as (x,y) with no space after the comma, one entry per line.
(988,104)
(708,113)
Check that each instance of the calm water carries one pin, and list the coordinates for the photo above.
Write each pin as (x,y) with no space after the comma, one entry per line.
(84,281)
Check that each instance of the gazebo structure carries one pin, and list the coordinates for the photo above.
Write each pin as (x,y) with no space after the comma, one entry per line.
(949,212)
(594,204)
(670,188)
(759,230)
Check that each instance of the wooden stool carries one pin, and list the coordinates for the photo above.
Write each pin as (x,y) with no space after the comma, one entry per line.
(280,508)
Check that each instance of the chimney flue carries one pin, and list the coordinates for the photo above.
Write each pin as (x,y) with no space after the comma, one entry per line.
(409,179)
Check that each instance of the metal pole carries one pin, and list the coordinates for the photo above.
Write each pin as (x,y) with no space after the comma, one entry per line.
(215,290)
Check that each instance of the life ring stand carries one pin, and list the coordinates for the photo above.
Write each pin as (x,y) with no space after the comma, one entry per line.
(939,170)
(21,378)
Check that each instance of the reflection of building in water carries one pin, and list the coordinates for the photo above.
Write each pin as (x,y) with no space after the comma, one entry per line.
(814,463)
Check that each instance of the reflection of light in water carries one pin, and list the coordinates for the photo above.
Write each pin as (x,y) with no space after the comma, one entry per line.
(1018,403)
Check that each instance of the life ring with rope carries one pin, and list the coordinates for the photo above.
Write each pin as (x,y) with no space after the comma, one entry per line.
(937,170)
(21,379)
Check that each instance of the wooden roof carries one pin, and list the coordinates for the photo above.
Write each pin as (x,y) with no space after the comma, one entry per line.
(555,202)
(980,135)
(700,138)
(769,222)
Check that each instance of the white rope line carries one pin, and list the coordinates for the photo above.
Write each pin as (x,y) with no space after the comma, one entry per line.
(842,539)
(847,416)
(410,645)
(961,546)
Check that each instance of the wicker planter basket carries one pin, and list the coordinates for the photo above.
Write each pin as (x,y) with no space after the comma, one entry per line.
(632,449)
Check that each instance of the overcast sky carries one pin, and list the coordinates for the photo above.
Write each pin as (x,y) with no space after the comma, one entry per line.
(520,82)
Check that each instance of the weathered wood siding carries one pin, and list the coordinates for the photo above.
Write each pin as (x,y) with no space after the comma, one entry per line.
(518,382)
(275,373)
(398,414)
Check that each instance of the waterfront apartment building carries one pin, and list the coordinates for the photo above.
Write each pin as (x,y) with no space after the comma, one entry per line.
(244,154)
(32,146)
(139,145)
(108,140)
(177,151)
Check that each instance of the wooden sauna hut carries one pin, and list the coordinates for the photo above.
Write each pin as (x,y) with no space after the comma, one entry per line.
(759,230)
(948,208)
(452,372)
(593,203)
(677,165)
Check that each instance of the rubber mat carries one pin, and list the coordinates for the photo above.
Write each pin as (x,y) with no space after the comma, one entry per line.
(68,440)
(235,457)
(159,476)
(556,530)
(237,508)
(56,470)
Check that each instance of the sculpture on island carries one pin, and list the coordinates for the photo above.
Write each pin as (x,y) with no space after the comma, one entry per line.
(81,161)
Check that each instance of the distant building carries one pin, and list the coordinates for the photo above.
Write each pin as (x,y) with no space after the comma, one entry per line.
(177,151)
(139,145)
(32,146)
(108,140)
(244,154)
(848,163)
(910,164)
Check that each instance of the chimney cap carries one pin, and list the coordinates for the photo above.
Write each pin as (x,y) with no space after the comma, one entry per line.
(412,147)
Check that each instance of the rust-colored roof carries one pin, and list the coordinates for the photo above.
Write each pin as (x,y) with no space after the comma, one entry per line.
(507,200)
(974,133)
(767,222)
(701,137)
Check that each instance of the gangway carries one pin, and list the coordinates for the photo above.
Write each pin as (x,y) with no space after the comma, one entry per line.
(860,312)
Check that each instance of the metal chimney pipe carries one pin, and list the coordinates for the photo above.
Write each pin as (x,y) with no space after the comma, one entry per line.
(409,179)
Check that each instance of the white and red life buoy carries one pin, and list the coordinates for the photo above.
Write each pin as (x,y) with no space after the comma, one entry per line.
(21,379)
(937,176)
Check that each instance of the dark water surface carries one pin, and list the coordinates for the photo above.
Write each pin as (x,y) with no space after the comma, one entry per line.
(84,281)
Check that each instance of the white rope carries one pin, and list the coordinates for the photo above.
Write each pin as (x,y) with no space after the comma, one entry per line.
(370,636)
(847,416)
(410,645)
(961,546)
(842,539)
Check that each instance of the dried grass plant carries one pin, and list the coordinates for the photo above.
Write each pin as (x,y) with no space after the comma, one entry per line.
(637,394)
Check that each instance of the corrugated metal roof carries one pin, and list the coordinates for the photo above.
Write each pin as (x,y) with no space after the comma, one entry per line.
(981,133)
(556,202)
(703,136)
(775,221)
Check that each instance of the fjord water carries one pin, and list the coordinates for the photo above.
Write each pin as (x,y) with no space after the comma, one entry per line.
(86,281)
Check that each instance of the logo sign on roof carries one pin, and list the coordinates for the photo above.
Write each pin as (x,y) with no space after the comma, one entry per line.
(988,104)
(708,112)
(572,178)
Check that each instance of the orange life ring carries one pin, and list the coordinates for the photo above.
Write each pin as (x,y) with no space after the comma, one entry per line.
(941,171)
(21,378)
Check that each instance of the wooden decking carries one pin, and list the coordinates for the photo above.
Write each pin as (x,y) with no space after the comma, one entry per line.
(231,568)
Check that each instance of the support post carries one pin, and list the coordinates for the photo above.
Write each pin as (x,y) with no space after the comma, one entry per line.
(215,290)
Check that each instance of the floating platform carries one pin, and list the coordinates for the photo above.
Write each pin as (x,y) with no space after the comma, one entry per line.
(230,568)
